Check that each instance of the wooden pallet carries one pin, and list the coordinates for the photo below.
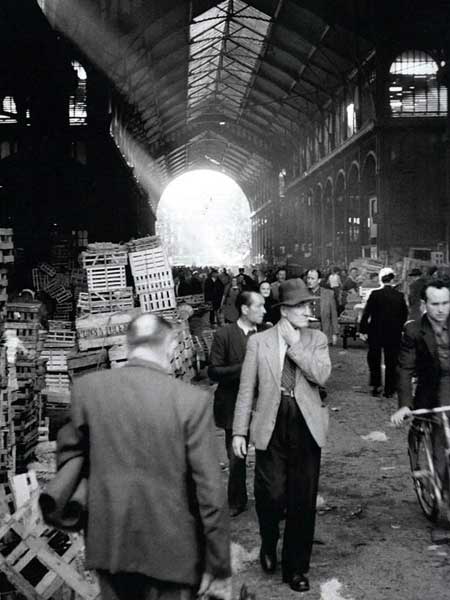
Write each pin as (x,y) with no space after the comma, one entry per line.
(118,356)
(58,292)
(158,301)
(63,311)
(49,270)
(40,280)
(39,561)
(6,257)
(60,338)
(105,302)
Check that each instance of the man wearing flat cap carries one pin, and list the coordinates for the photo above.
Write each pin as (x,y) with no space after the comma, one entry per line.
(288,425)
(157,516)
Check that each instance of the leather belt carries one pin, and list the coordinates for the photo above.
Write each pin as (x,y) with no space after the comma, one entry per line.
(285,392)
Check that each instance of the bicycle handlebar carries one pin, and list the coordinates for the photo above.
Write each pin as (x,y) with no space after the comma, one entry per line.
(430,411)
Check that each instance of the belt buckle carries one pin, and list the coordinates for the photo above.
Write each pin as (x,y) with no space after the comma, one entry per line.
(289,393)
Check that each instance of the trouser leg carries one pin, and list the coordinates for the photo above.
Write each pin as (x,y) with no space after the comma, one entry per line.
(374,362)
(390,374)
(302,486)
(270,483)
(439,457)
(237,477)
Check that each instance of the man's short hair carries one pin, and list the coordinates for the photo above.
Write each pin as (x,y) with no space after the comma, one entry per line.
(318,271)
(281,269)
(387,278)
(244,299)
(148,330)
(437,283)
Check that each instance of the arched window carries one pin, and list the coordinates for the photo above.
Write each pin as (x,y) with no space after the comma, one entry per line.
(77,105)
(413,88)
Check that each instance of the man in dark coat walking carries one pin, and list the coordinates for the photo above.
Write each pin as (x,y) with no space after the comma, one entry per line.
(381,324)
(226,358)
(214,293)
(157,522)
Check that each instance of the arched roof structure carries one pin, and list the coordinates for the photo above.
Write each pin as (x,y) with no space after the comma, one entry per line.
(230,84)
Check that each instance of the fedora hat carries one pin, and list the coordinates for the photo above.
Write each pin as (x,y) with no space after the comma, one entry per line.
(293,292)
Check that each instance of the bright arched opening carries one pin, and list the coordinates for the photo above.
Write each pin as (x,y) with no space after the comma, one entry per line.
(203,218)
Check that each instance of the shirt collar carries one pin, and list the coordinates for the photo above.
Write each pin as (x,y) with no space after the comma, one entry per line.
(438,328)
(245,328)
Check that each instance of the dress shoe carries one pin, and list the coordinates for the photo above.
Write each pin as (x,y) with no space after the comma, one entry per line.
(297,582)
(268,560)
(237,510)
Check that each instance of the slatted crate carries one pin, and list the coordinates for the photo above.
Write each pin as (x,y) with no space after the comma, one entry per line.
(56,290)
(25,312)
(6,257)
(106,277)
(3,278)
(56,359)
(158,301)
(57,381)
(63,311)
(54,400)
(6,239)
(151,270)
(28,333)
(99,255)
(150,242)
(41,561)
(60,338)
(80,363)
(40,279)
(193,300)
(105,302)
(29,369)
(103,330)
(54,325)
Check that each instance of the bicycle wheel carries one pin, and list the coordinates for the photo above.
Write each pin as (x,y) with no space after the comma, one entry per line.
(420,458)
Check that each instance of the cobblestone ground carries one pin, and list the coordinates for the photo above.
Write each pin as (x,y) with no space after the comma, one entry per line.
(372,541)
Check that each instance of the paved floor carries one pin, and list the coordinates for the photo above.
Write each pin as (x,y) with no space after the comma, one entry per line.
(373,542)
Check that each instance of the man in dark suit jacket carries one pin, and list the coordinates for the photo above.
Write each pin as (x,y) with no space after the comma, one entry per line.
(157,521)
(425,354)
(381,324)
(226,358)
(324,308)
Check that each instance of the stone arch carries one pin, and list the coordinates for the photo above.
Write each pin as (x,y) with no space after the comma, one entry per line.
(328,221)
(369,201)
(353,224)
(340,242)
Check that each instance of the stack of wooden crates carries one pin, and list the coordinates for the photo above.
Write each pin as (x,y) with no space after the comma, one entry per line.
(7,435)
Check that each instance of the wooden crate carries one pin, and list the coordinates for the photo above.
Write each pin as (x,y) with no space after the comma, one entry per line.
(57,381)
(24,312)
(105,302)
(80,363)
(193,300)
(55,399)
(151,270)
(28,333)
(6,257)
(56,359)
(118,356)
(63,311)
(150,242)
(58,292)
(54,325)
(60,338)
(98,331)
(49,270)
(106,277)
(3,277)
(40,279)
(6,238)
(158,301)
(104,258)
(39,560)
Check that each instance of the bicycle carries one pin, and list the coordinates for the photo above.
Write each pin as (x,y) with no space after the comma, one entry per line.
(433,499)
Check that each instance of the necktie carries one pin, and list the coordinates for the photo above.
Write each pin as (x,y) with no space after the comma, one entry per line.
(288,374)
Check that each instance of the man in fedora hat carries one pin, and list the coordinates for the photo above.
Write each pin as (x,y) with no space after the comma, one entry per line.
(286,365)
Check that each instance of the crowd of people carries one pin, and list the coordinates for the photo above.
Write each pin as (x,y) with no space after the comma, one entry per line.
(158,518)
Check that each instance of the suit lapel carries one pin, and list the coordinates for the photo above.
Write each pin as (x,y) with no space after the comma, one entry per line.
(272,353)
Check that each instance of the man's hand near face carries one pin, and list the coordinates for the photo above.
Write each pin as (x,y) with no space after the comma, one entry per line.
(290,335)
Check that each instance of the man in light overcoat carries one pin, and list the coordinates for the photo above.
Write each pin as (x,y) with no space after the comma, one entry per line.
(279,401)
